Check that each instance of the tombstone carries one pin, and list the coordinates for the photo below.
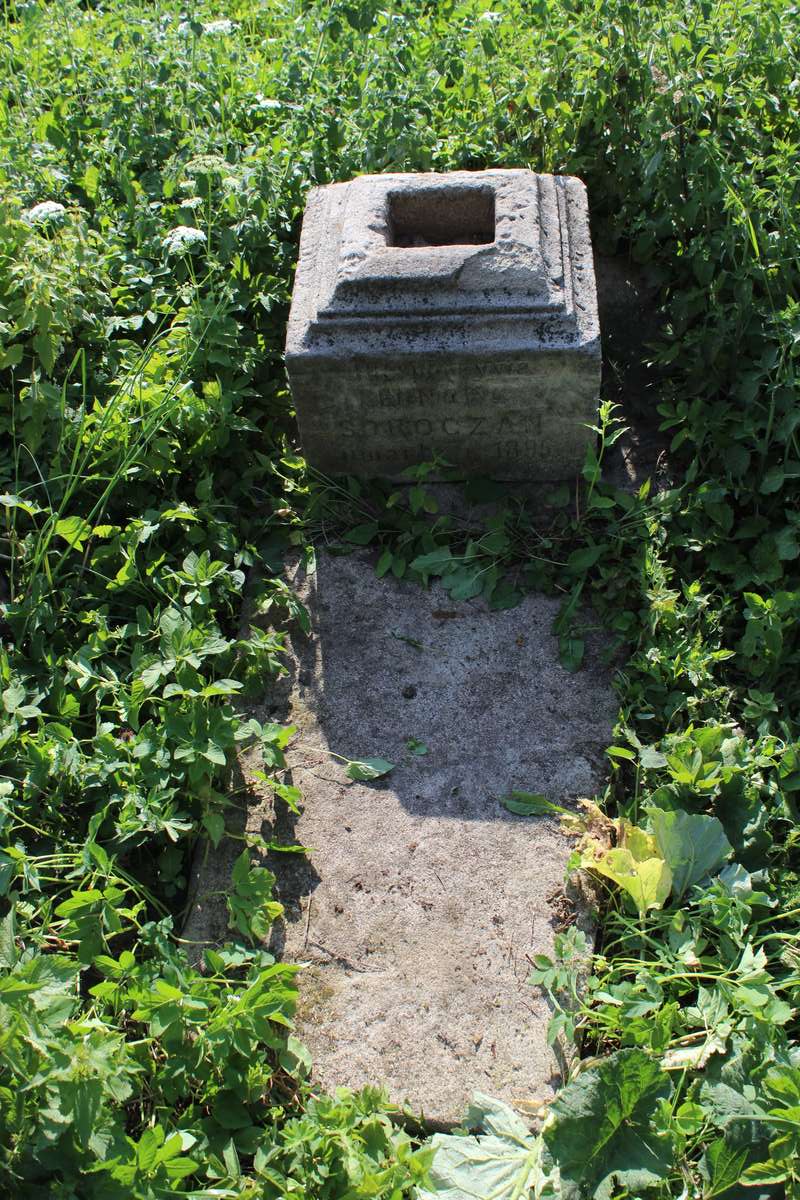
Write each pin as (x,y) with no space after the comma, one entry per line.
(451,315)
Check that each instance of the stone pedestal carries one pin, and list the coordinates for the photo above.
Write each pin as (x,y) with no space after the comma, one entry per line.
(451,315)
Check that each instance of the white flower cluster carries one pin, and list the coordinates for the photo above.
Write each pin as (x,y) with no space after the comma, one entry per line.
(48,212)
(221,26)
(262,102)
(182,238)
(218,28)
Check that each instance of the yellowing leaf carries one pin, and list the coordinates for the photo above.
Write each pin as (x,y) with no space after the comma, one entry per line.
(646,880)
(641,844)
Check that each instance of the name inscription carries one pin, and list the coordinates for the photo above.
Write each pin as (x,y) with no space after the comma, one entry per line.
(463,426)
(355,420)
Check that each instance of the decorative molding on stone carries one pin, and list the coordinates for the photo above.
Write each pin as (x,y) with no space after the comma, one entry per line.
(452,314)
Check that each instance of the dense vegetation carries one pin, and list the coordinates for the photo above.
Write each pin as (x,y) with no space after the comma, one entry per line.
(154,166)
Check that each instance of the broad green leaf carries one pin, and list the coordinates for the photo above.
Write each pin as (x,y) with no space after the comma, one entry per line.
(8,947)
(45,344)
(494,1116)
(214,825)
(251,908)
(229,1111)
(690,1117)
(652,759)
(384,563)
(365,769)
(783,1083)
(291,795)
(581,560)
(222,687)
(530,804)
(764,1174)
(786,544)
(179,1168)
(214,754)
(773,480)
(296,1058)
(361,535)
(730,1101)
(91,180)
(570,651)
(641,844)
(73,530)
(463,584)
(147,1148)
(495,542)
(503,1162)
(434,563)
(10,501)
(11,356)
(504,596)
(692,844)
(79,901)
(13,697)
(603,1130)
(721,1167)
(621,752)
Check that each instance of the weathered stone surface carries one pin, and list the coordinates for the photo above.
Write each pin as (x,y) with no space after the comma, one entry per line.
(423,899)
(446,314)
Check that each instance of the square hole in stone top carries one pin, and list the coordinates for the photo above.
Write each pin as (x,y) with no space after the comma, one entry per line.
(447,216)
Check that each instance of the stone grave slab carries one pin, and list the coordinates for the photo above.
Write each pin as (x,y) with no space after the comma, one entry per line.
(423,899)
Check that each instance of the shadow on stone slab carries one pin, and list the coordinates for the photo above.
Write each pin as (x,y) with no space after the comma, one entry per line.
(424,900)
(469,704)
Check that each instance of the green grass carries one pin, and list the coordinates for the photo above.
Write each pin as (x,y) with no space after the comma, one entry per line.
(148,460)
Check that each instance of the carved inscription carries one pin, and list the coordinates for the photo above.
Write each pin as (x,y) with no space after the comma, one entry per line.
(472,418)
(412,416)
(456,426)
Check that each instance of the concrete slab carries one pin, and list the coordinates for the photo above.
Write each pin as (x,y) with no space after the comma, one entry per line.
(423,899)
